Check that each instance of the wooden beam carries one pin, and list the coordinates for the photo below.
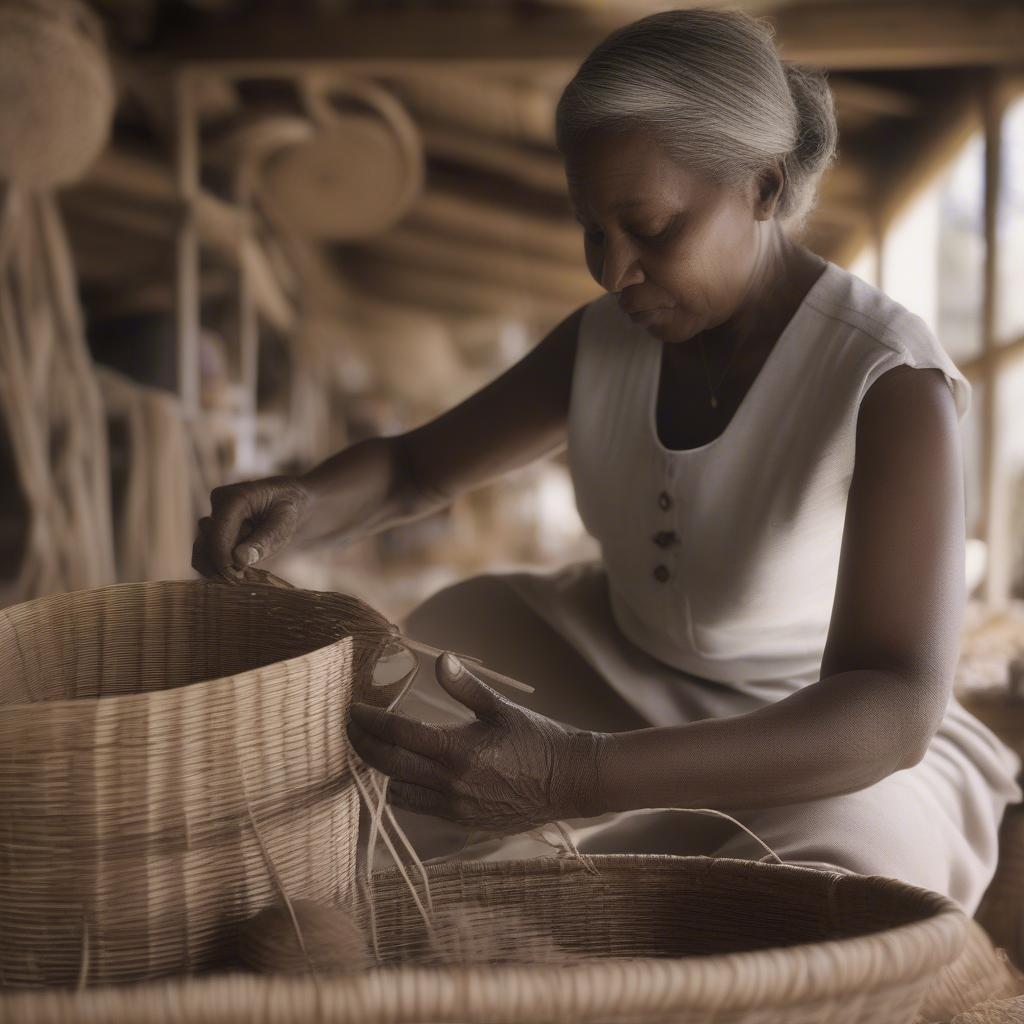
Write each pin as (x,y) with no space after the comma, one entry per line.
(916,34)
(1005,355)
(481,32)
(876,100)
(187,276)
(995,483)
(529,167)
(850,34)
(480,103)
(838,215)
(447,213)
(450,293)
(488,263)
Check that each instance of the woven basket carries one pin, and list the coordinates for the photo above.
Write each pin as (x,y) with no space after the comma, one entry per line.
(165,748)
(639,937)
(981,973)
(358,175)
(57,88)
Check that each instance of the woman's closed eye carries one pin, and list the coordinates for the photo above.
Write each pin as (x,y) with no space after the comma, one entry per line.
(656,235)
(596,236)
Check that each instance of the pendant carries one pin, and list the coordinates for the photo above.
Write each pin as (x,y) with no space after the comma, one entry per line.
(714,402)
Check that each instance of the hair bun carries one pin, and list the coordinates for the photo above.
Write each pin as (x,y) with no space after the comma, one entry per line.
(817,134)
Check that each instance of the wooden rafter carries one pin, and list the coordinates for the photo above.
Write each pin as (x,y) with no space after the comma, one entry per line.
(914,34)
(852,34)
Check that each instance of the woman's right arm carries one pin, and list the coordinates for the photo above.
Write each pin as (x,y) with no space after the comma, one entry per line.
(375,484)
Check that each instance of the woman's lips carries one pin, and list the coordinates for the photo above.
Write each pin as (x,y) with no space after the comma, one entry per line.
(647,316)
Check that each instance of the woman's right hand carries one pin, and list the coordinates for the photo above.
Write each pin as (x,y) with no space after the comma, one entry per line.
(249,521)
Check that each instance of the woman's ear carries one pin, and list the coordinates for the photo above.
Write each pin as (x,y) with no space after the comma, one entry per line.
(769,185)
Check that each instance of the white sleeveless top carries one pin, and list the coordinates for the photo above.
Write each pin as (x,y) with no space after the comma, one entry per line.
(745,591)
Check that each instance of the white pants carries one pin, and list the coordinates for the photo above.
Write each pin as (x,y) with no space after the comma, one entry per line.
(934,825)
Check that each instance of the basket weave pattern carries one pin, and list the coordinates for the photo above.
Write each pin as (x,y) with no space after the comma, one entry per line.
(647,938)
(138,828)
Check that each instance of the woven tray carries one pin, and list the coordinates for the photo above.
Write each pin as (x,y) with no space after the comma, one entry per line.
(621,938)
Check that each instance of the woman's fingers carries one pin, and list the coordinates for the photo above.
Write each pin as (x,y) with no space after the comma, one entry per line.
(201,560)
(410,797)
(249,521)
(396,761)
(465,687)
(418,737)
(267,535)
(230,510)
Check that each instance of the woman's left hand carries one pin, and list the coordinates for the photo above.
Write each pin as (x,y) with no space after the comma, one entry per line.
(510,770)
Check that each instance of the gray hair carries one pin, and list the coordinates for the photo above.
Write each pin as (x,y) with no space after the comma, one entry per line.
(711,88)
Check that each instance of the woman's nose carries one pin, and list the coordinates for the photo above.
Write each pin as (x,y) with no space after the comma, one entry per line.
(620,269)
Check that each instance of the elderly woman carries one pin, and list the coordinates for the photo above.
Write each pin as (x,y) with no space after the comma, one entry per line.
(774,623)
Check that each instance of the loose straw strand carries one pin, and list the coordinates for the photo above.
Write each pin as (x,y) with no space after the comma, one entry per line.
(272,869)
(83,971)
(729,817)
(375,815)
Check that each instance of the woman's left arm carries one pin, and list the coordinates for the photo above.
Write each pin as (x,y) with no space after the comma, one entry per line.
(893,642)
(886,674)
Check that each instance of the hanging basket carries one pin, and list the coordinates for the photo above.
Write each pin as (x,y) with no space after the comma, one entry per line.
(171,755)
(358,175)
(58,92)
(644,938)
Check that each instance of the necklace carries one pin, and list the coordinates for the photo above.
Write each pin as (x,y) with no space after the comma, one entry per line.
(714,390)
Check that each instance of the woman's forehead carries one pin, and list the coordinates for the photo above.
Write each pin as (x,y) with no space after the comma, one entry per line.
(612,176)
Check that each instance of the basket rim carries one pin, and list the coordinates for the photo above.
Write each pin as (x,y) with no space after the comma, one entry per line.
(947,922)
(90,704)
(788,976)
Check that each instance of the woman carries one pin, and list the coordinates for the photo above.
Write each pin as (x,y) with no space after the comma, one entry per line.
(773,626)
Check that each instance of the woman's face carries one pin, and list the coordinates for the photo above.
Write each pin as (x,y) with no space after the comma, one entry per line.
(663,238)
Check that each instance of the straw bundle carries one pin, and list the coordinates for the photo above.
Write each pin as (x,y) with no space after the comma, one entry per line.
(50,404)
(172,758)
(56,88)
(155,517)
(635,938)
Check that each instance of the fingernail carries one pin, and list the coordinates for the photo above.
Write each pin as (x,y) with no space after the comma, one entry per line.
(451,664)
(251,555)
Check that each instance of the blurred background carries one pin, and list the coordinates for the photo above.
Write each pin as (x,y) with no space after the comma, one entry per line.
(238,236)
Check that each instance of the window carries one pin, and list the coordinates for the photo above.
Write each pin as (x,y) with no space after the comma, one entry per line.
(934,254)
(1010,228)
